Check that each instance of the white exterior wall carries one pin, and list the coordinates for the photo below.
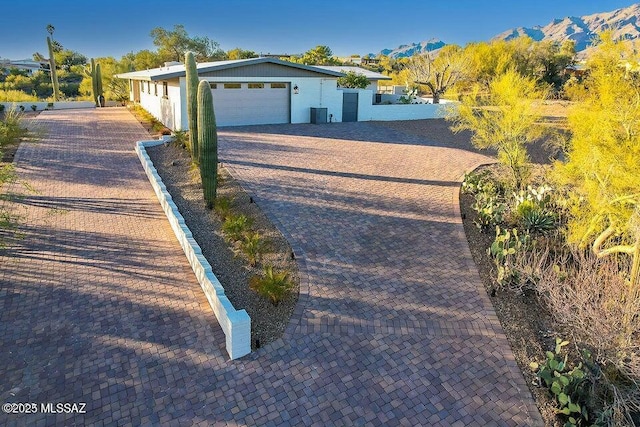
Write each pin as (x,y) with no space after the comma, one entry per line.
(312,92)
(316,93)
(167,110)
(149,101)
(402,112)
(369,112)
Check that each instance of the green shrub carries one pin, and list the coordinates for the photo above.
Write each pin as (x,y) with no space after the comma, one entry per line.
(274,286)
(223,207)
(252,245)
(16,96)
(235,226)
(11,127)
(180,138)
(568,387)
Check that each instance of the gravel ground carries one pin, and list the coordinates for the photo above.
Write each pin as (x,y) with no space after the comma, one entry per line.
(268,321)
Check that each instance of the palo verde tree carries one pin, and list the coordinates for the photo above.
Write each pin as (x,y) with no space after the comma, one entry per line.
(353,80)
(172,45)
(438,72)
(505,119)
(319,55)
(602,170)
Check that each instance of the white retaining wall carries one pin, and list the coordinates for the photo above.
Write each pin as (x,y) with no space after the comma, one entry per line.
(381,112)
(236,324)
(59,105)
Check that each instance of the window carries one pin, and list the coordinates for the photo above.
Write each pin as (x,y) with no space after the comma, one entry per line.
(149,88)
(256,85)
(232,86)
(165,89)
(278,85)
(213,85)
(155,89)
(141,87)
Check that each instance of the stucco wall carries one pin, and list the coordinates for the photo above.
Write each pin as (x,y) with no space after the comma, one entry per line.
(402,112)
(58,105)
(312,92)
(166,109)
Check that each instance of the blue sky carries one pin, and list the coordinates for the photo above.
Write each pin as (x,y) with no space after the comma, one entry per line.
(115,27)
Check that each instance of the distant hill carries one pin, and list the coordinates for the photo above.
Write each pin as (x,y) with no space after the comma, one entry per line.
(582,30)
(625,22)
(407,50)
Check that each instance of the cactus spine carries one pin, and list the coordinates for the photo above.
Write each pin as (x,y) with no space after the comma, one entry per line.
(192,104)
(208,140)
(94,81)
(99,84)
(54,74)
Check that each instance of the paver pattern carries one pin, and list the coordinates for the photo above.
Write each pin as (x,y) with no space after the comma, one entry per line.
(98,304)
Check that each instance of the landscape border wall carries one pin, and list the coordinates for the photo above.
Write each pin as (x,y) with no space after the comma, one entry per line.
(236,324)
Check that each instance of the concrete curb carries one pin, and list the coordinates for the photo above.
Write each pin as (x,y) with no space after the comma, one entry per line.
(236,324)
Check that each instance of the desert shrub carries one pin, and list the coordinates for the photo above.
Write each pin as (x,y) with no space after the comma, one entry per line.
(11,127)
(589,297)
(490,210)
(569,387)
(274,286)
(252,246)
(538,221)
(180,138)
(235,226)
(506,247)
(474,182)
(223,207)
(533,209)
(16,96)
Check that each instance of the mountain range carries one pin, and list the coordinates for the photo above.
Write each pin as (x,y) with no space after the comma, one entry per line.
(582,30)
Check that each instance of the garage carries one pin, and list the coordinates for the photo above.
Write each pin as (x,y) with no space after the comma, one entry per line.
(251,103)
(252,91)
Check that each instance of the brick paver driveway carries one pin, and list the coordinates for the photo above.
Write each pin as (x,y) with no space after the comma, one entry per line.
(99,305)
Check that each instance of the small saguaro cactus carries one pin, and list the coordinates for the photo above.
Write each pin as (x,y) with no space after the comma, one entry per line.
(54,74)
(192,104)
(208,141)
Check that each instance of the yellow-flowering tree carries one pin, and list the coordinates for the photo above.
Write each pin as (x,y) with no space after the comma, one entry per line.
(602,170)
(505,119)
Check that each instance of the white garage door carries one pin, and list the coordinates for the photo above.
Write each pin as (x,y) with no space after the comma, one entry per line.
(251,103)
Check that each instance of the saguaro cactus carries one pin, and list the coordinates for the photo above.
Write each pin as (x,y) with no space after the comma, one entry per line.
(94,82)
(192,104)
(208,140)
(54,74)
(99,85)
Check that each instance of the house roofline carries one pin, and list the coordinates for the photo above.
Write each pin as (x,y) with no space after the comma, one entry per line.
(207,67)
